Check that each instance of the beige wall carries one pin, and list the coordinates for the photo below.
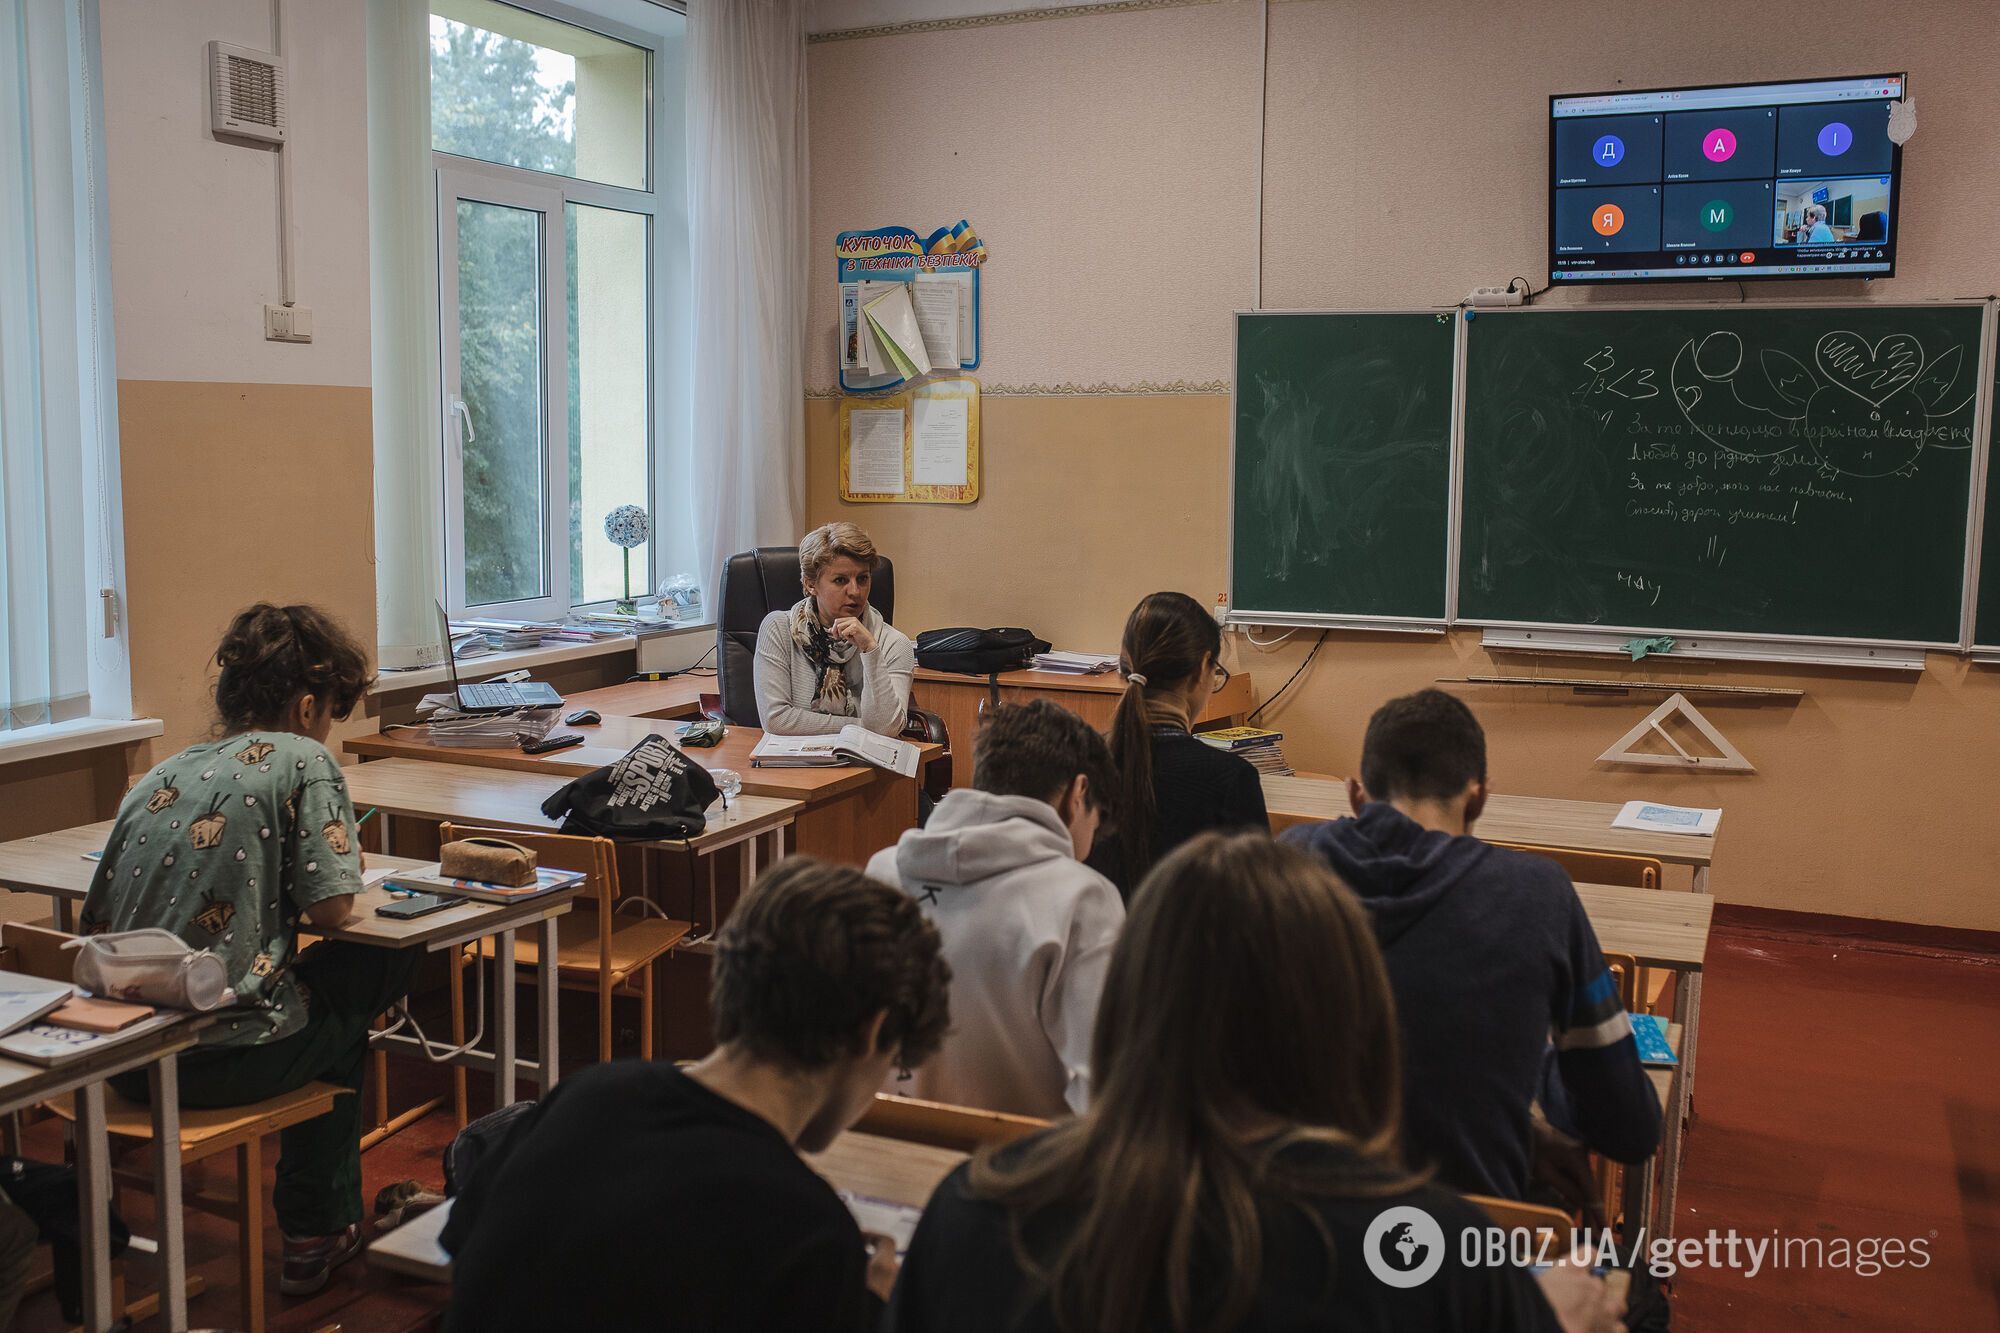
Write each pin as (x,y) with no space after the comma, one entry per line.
(1405,152)
(247,466)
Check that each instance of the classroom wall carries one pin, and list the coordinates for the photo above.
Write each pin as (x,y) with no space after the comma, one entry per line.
(247,465)
(1109,161)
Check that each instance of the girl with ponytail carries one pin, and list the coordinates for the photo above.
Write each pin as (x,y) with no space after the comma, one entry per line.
(1174,786)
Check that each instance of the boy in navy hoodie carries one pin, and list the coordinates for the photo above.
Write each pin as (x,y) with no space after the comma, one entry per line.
(1491,959)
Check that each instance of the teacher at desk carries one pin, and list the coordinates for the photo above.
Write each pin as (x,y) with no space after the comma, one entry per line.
(832,660)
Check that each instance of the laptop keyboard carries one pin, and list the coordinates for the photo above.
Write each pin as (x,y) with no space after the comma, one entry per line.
(490,696)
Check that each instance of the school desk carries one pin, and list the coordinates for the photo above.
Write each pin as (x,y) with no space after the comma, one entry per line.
(23,1084)
(678,699)
(53,864)
(962,702)
(847,814)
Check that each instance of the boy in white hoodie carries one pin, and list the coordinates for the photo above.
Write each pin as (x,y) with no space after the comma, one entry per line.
(1027,927)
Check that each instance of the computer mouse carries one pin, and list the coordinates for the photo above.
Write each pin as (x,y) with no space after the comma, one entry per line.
(584,717)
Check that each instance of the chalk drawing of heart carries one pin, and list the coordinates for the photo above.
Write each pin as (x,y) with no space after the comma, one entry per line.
(1870,373)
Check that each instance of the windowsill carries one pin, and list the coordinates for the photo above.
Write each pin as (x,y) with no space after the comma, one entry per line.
(489,665)
(84,733)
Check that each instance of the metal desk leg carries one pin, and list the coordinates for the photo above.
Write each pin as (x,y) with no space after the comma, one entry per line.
(166,1097)
(1687,1011)
(548,998)
(93,1184)
(503,1012)
(62,913)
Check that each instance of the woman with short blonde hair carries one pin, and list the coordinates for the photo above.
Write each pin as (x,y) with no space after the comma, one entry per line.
(832,660)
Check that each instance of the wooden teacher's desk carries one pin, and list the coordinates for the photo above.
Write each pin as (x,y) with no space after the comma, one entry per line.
(963,700)
(846,814)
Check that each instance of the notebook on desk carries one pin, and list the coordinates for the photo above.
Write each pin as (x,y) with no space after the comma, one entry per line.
(850,745)
(492,696)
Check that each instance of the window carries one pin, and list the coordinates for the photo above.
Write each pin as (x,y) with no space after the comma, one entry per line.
(555,133)
(62,649)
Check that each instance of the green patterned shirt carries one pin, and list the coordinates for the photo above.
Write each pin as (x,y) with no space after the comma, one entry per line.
(225,844)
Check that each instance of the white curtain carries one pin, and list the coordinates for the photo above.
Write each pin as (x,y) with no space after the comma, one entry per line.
(59,546)
(749,240)
(402,254)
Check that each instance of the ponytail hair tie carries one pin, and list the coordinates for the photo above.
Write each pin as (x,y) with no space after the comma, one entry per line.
(1137,679)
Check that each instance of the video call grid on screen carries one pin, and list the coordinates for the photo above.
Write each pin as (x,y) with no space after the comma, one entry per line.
(1761,180)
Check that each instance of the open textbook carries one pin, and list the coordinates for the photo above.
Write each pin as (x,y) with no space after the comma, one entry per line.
(850,745)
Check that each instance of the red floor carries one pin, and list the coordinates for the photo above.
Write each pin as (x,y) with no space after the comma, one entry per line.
(1846,1090)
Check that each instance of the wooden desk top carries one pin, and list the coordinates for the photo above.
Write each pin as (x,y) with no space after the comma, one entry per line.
(880,1168)
(1584,826)
(1658,928)
(54,863)
(1232,699)
(504,799)
(22,1084)
(679,698)
(609,742)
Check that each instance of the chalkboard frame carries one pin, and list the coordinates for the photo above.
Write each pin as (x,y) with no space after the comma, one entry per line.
(1986,436)
(1755,643)
(1395,624)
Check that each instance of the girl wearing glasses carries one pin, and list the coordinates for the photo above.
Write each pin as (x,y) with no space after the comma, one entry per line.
(1173,785)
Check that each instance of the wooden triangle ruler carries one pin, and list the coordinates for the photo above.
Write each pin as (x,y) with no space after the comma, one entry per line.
(1728,760)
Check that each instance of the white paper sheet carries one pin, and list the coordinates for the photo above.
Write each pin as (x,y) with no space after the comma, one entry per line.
(937,320)
(895,319)
(963,283)
(1654,817)
(875,452)
(938,447)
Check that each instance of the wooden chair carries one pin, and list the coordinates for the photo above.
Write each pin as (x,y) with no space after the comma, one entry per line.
(209,1133)
(599,950)
(942,1125)
(1536,1217)
(1625,971)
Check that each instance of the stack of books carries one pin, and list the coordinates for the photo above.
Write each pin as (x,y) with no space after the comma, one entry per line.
(1075,664)
(1256,744)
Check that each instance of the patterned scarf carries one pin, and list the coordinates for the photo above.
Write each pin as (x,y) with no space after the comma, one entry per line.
(827,656)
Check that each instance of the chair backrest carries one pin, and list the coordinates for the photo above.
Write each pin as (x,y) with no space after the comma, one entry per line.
(961,1128)
(1534,1217)
(1633,872)
(1624,969)
(754,584)
(595,857)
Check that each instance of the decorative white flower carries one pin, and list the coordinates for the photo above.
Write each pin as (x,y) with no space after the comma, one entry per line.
(628,526)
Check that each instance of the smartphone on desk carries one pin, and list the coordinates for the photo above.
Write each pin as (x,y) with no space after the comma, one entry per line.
(421,904)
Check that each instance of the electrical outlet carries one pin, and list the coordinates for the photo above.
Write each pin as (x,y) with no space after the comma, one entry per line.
(288,324)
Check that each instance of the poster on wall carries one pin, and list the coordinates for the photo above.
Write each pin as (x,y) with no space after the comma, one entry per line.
(909,305)
(916,446)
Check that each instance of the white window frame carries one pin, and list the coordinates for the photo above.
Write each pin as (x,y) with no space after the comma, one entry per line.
(490,182)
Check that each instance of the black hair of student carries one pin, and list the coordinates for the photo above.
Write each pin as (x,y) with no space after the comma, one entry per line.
(1037,749)
(1423,746)
(812,953)
(271,655)
(1167,638)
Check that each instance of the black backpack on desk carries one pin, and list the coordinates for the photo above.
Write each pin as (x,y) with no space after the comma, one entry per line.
(978,652)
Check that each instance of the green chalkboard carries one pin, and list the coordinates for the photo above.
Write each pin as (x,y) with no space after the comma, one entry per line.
(1787,471)
(1341,487)
(1986,616)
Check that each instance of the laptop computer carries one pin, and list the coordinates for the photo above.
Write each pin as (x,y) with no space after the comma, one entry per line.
(499,696)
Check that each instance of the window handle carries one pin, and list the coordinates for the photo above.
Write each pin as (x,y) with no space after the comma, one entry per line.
(464,415)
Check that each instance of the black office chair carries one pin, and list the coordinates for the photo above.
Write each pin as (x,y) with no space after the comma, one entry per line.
(1873,227)
(756,583)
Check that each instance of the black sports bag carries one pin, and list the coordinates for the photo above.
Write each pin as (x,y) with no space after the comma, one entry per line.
(977,652)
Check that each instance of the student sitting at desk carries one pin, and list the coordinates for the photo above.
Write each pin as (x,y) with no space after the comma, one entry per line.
(1027,930)
(1489,952)
(227,845)
(1240,1141)
(1171,786)
(832,660)
(638,1195)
